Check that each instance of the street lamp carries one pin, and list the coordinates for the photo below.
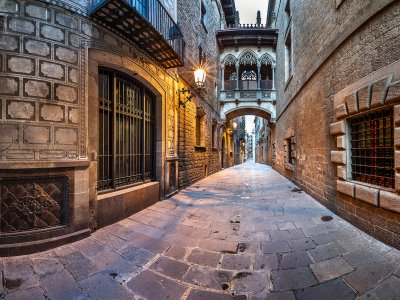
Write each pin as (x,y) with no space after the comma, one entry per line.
(234,125)
(199,79)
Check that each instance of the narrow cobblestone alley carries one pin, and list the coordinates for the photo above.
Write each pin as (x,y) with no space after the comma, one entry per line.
(243,233)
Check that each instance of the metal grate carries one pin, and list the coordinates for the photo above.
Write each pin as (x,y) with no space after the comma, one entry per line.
(126,138)
(372,150)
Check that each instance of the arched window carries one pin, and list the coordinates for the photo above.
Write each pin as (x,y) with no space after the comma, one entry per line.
(249,75)
(126,131)
(232,76)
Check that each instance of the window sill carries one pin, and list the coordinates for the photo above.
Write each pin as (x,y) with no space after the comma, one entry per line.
(198,148)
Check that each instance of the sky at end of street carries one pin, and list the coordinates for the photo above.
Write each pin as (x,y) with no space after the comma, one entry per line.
(248,14)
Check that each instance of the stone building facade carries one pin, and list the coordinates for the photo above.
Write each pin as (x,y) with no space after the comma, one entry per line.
(262,140)
(336,133)
(68,78)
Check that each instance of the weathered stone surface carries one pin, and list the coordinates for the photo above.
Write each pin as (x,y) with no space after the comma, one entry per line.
(73,115)
(249,282)
(9,6)
(295,259)
(66,136)
(21,65)
(198,294)
(341,111)
(352,103)
(8,133)
(9,43)
(52,70)
(170,267)
(396,114)
(210,259)
(66,20)
(341,142)
(36,134)
(20,110)
(66,54)
(332,290)
(389,201)
(367,194)
(37,12)
(378,92)
(339,157)
(22,26)
(342,172)
(393,92)
(103,286)
(73,75)
(265,262)
(275,247)
(39,89)
(74,40)
(66,93)
(90,31)
(9,85)
(367,276)
(153,286)
(53,113)
(327,251)
(67,290)
(52,33)
(388,289)
(293,279)
(338,128)
(345,187)
(330,269)
(110,39)
(236,262)
(363,95)
(37,47)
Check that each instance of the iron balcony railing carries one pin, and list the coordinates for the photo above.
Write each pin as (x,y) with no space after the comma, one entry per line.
(153,12)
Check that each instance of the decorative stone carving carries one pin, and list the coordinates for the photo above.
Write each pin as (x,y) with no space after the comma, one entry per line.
(38,12)
(66,93)
(52,33)
(49,112)
(66,20)
(37,48)
(33,203)
(51,70)
(34,88)
(266,59)
(36,134)
(8,133)
(9,43)
(66,54)
(21,65)
(20,110)
(9,86)
(66,136)
(73,116)
(248,58)
(230,60)
(22,26)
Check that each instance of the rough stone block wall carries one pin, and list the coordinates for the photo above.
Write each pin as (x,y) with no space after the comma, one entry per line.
(317,29)
(196,163)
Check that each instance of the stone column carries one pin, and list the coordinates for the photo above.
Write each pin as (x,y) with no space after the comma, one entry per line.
(273,76)
(237,76)
(222,78)
(258,76)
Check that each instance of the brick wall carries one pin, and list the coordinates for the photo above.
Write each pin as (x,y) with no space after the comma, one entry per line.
(333,48)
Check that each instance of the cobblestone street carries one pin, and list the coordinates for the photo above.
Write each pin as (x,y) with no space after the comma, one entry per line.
(243,233)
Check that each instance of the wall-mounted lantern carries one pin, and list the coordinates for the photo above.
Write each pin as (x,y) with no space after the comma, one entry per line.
(199,79)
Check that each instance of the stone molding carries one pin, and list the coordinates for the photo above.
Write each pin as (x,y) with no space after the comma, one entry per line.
(364,96)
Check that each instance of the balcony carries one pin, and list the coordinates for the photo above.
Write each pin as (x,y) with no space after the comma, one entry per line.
(145,23)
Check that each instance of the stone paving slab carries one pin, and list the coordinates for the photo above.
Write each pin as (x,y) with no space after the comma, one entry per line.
(243,233)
